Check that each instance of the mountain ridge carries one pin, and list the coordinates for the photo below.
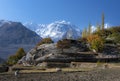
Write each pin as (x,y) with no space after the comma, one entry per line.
(14,35)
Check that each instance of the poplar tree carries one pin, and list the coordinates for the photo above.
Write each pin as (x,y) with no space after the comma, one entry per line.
(98,27)
(89,29)
(103,21)
(84,33)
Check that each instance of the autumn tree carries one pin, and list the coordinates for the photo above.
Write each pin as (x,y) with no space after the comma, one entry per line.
(96,42)
(98,27)
(13,59)
(87,32)
(45,41)
(84,33)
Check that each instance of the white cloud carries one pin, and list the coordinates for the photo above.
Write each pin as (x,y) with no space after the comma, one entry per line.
(93,28)
(62,22)
(107,25)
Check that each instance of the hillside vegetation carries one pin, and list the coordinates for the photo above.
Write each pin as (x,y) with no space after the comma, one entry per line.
(110,34)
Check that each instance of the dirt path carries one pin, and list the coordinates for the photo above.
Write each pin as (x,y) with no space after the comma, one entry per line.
(98,75)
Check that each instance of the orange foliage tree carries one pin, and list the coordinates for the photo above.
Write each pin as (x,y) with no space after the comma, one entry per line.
(13,59)
(96,42)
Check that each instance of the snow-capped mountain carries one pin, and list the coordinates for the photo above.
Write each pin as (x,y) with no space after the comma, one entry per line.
(32,26)
(56,30)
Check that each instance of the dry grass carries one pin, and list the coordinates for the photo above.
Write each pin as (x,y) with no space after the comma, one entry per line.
(38,69)
(54,70)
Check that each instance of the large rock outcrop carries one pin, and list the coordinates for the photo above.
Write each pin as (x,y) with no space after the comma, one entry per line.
(50,52)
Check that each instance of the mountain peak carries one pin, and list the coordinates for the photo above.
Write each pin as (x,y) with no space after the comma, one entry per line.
(56,30)
(2,22)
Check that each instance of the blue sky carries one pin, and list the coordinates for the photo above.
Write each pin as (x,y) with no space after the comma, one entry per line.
(78,12)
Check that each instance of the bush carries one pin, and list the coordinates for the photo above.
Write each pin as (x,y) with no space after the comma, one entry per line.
(82,40)
(45,41)
(62,44)
(115,29)
(115,37)
(96,42)
(110,41)
(103,34)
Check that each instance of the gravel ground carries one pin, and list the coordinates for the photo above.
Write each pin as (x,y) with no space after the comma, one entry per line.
(96,75)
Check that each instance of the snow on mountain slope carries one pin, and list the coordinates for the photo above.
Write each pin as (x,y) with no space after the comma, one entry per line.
(56,30)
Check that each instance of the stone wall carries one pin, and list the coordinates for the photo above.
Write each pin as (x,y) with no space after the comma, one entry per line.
(54,65)
(83,65)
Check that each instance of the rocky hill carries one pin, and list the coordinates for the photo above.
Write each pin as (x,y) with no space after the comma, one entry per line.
(78,51)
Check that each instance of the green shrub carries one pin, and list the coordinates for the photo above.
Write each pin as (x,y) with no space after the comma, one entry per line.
(62,44)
